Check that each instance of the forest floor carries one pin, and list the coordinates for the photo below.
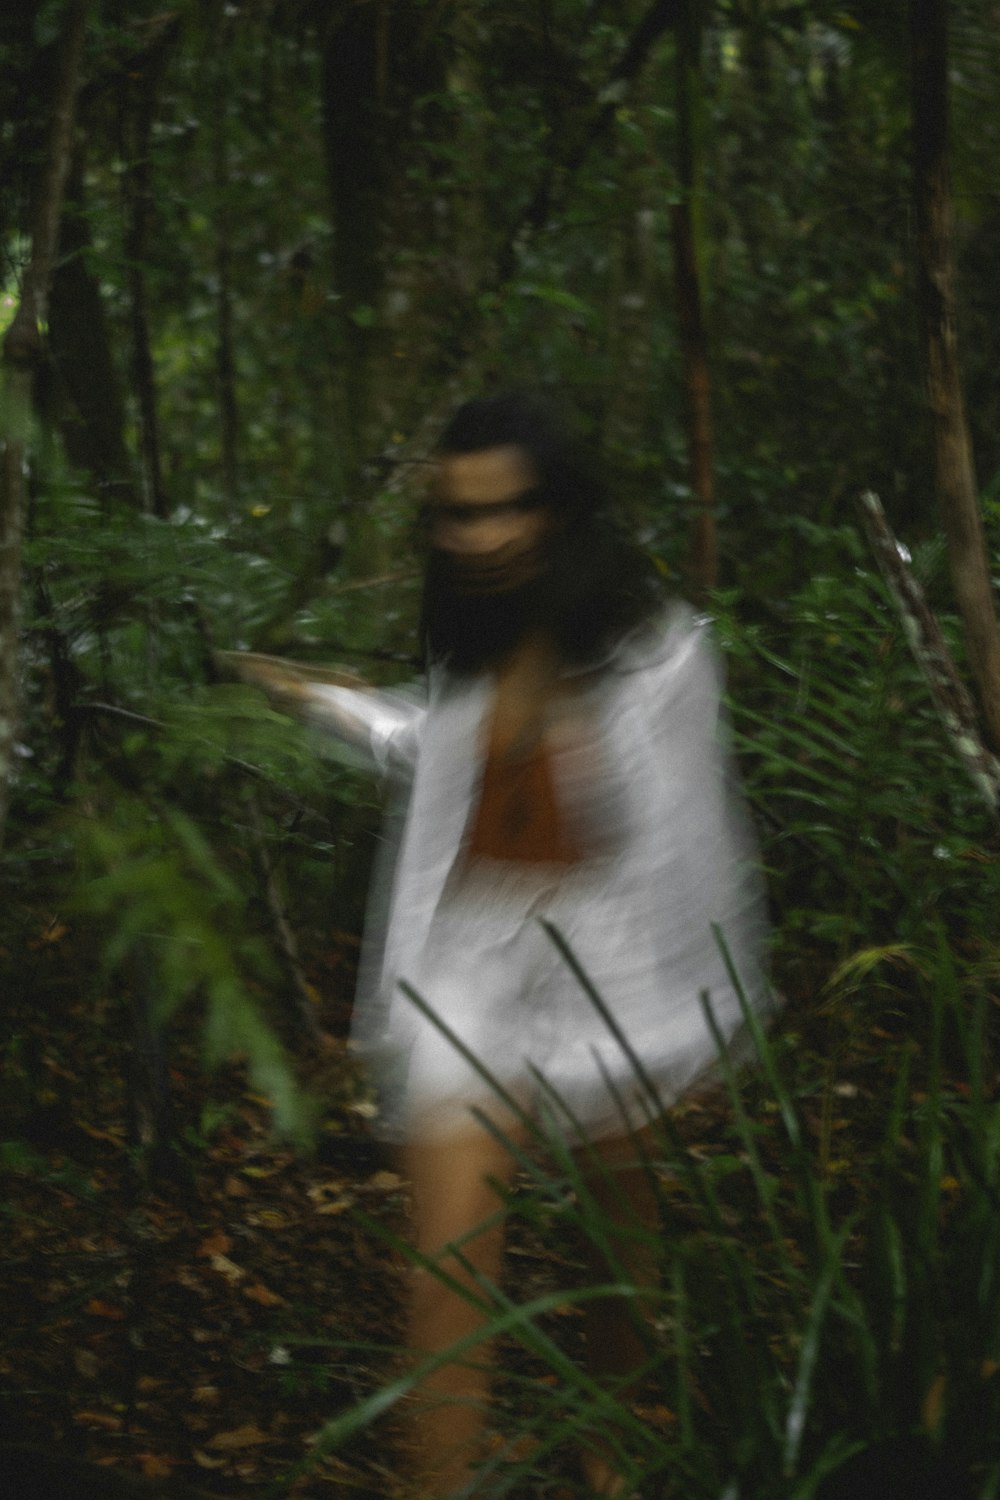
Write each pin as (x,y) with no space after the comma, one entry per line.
(201,1328)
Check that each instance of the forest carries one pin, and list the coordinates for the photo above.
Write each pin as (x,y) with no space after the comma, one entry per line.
(252,255)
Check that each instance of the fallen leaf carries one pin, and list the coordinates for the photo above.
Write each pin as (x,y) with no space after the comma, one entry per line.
(386,1182)
(154,1466)
(227,1268)
(260,1293)
(657,1416)
(99,1309)
(335,1205)
(111,1137)
(217,1243)
(60,1071)
(331,1197)
(87,1364)
(107,1419)
(205,1461)
(239,1437)
(268,1218)
(188,1279)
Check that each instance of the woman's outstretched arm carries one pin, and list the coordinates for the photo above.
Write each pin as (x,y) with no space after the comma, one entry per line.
(383,724)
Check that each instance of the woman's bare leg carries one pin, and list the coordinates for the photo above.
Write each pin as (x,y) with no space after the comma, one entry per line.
(452,1181)
(617,1346)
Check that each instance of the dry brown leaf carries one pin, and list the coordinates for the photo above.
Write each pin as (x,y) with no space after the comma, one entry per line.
(330,1197)
(106,1419)
(386,1182)
(268,1218)
(87,1364)
(154,1466)
(247,1436)
(206,1461)
(99,1309)
(260,1293)
(112,1137)
(217,1243)
(227,1268)
(61,1072)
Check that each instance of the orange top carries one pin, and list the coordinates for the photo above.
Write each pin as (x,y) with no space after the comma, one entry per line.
(518,817)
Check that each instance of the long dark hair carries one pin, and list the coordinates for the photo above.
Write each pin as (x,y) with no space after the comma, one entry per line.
(596,584)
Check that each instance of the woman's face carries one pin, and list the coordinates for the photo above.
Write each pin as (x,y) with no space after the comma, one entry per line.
(487,518)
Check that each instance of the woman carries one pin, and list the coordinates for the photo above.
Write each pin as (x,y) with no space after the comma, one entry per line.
(572,849)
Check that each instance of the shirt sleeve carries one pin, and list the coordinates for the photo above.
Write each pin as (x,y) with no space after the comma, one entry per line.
(684,680)
(385,727)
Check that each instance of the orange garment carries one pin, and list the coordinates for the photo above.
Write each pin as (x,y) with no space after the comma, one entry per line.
(518,816)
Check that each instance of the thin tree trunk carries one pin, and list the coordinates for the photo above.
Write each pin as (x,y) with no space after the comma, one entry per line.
(225,356)
(953,462)
(22,354)
(80,391)
(137,126)
(631,337)
(687,241)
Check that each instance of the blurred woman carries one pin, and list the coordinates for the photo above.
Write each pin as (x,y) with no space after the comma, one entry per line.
(574,873)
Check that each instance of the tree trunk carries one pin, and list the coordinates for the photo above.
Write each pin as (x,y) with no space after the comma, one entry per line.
(687,246)
(138,110)
(225,348)
(22,353)
(953,463)
(80,392)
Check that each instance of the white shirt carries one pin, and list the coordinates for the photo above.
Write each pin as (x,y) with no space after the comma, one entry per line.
(669,911)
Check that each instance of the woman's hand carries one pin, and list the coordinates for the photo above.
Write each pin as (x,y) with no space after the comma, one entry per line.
(288,684)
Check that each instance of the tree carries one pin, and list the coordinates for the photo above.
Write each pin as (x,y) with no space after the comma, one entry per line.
(689,255)
(953,461)
(22,355)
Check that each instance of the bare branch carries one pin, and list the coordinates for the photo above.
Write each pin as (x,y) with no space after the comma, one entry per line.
(923,634)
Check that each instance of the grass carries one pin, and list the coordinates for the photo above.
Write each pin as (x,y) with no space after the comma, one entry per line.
(828,1316)
(801,1323)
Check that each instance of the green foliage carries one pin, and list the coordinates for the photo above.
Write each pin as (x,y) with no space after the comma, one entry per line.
(523,233)
(809,1310)
(157,884)
(869,820)
(794,1327)
(18,1157)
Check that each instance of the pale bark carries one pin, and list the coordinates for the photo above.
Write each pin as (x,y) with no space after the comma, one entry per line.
(954,470)
(22,354)
(923,635)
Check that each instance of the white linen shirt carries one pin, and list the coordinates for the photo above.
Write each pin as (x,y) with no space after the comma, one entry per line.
(643,918)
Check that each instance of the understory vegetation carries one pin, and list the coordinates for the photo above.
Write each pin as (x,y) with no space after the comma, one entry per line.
(293,235)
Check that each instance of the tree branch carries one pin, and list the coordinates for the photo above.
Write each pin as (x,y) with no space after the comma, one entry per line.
(952,699)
